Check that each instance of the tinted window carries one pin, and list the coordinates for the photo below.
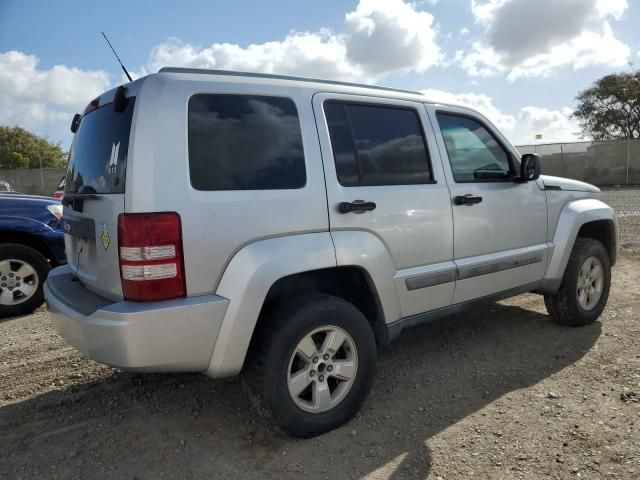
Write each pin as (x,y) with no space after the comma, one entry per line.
(239,142)
(376,145)
(474,153)
(98,156)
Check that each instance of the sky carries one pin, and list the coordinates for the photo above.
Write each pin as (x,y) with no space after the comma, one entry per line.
(519,62)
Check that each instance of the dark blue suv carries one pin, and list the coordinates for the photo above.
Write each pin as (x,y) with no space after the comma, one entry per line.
(31,243)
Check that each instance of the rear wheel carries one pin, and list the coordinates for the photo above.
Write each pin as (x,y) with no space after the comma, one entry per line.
(23,271)
(585,285)
(314,366)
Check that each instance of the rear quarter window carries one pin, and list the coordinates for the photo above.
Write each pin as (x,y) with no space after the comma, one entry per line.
(244,142)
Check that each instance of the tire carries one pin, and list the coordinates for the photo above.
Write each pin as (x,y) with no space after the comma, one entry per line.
(567,305)
(276,358)
(15,258)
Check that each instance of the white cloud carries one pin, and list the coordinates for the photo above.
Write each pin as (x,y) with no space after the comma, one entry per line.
(320,53)
(481,61)
(483,11)
(520,129)
(589,48)
(480,102)
(528,38)
(553,125)
(385,36)
(380,37)
(37,99)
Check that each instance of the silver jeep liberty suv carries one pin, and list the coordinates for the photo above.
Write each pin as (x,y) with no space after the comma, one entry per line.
(219,221)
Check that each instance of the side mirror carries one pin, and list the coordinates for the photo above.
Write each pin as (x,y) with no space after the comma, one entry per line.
(529,167)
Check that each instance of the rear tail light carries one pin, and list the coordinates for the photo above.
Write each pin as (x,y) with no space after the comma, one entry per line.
(150,252)
(95,103)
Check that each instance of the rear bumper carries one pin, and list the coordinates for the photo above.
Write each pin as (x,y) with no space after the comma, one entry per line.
(166,336)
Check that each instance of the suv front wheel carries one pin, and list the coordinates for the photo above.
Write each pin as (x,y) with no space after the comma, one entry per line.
(585,285)
(314,364)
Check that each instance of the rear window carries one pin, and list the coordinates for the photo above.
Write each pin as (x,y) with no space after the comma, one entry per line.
(244,142)
(98,157)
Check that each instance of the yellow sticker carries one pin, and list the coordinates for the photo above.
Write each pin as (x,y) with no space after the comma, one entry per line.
(106,240)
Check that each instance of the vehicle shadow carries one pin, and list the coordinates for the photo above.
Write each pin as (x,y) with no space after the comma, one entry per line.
(187,426)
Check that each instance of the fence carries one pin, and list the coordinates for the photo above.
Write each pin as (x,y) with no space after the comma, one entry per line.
(600,163)
(34,181)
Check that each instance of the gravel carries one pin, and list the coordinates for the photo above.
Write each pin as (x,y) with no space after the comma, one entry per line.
(626,202)
(500,393)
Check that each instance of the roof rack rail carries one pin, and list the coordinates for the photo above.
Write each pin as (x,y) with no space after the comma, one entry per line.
(232,73)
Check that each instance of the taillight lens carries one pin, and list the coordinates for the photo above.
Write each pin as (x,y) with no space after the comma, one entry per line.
(150,252)
(95,103)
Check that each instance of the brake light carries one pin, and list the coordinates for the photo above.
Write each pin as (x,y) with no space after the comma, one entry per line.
(150,252)
(93,104)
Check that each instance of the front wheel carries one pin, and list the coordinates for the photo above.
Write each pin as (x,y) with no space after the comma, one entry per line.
(585,285)
(314,364)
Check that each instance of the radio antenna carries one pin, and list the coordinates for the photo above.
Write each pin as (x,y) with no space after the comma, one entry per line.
(119,61)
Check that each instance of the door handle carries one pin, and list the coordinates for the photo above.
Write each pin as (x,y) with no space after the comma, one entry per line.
(467,199)
(357,206)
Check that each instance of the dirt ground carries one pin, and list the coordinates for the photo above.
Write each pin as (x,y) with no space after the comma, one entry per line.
(501,393)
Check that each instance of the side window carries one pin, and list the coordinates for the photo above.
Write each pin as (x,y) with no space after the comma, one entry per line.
(474,153)
(377,145)
(243,142)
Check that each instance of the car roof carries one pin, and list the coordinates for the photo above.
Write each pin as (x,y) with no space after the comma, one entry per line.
(233,73)
(299,82)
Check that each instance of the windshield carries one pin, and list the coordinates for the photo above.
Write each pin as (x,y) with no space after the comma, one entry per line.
(98,157)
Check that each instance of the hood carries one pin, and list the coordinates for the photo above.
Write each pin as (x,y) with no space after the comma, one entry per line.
(568,184)
(15,198)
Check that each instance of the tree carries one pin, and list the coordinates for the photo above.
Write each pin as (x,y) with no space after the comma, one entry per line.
(20,148)
(610,109)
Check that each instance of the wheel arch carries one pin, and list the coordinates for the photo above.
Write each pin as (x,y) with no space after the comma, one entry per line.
(263,270)
(246,282)
(351,283)
(29,240)
(590,218)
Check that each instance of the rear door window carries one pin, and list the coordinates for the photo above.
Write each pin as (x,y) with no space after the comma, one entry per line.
(245,142)
(377,145)
(98,156)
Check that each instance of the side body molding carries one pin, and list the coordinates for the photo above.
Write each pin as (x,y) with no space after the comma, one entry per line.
(246,282)
(573,216)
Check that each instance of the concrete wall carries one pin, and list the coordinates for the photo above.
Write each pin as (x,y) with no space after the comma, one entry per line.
(34,181)
(599,163)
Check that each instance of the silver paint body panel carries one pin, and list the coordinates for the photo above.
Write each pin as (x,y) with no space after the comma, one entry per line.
(422,253)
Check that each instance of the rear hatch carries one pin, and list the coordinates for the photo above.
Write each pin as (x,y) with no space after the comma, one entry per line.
(94,193)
